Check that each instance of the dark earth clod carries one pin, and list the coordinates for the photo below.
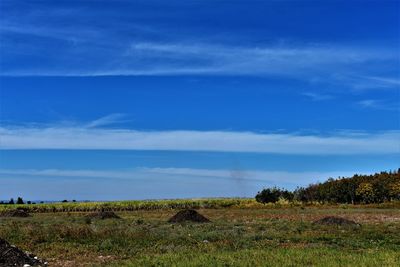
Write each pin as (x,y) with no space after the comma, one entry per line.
(103,215)
(13,256)
(338,221)
(188,215)
(15,213)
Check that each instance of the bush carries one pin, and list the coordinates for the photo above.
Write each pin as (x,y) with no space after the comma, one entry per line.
(273,195)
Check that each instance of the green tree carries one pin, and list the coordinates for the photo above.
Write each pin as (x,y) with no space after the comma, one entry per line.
(394,190)
(366,192)
(268,195)
(20,200)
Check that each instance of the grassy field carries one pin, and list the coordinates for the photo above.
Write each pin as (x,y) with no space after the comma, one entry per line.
(241,234)
(137,205)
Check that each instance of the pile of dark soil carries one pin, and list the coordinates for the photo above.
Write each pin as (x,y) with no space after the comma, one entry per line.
(13,256)
(15,213)
(103,215)
(188,215)
(331,220)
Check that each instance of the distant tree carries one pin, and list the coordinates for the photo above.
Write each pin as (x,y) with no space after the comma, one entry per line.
(366,192)
(11,201)
(300,194)
(268,195)
(287,195)
(65,201)
(394,190)
(375,188)
(20,201)
(73,200)
(29,202)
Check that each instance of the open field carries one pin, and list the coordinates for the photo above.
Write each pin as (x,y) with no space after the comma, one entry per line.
(244,234)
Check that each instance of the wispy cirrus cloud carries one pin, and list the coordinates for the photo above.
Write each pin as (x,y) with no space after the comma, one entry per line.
(110,119)
(345,66)
(61,137)
(211,58)
(317,96)
(385,80)
(143,173)
(88,50)
(139,183)
(113,41)
(379,104)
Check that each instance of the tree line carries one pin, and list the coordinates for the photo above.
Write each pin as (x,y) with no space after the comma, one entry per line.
(20,201)
(375,188)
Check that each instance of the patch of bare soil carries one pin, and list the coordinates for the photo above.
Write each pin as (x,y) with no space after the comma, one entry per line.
(13,256)
(103,215)
(15,213)
(338,221)
(188,215)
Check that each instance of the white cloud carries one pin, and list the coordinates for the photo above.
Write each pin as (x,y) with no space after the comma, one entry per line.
(369,103)
(352,66)
(184,140)
(106,120)
(379,104)
(384,80)
(317,96)
(148,183)
(271,177)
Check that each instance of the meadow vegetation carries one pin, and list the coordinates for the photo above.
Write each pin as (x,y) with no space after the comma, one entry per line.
(345,222)
(259,235)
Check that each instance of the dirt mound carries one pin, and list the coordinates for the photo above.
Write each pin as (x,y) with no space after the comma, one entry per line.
(103,215)
(331,220)
(13,256)
(188,215)
(15,213)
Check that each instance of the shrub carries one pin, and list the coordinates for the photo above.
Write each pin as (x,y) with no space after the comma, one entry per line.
(273,195)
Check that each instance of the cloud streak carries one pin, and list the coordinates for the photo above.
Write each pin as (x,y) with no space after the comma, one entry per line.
(113,41)
(379,104)
(317,96)
(274,177)
(209,58)
(107,120)
(354,67)
(185,140)
(148,183)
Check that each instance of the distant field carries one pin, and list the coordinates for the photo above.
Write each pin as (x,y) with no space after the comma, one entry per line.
(137,205)
(209,203)
(242,233)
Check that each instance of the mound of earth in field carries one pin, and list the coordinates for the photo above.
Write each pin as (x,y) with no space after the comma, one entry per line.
(103,215)
(188,215)
(332,220)
(13,256)
(15,213)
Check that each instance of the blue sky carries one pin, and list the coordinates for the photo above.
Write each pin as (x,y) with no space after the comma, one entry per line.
(107,100)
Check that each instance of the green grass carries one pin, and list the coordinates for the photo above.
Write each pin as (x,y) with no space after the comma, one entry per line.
(270,257)
(252,236)
(136,205)
(206,203)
